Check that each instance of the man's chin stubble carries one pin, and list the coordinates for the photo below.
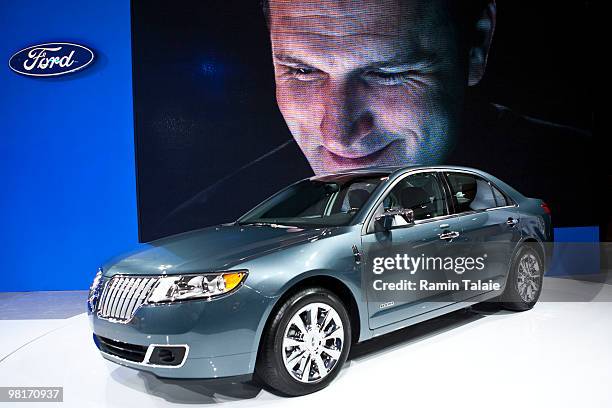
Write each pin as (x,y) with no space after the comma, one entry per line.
(328,162)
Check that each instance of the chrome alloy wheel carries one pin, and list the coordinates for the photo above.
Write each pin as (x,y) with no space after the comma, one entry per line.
(312,343)
(528,277)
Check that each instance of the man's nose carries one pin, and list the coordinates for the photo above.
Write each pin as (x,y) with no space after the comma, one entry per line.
(346,120)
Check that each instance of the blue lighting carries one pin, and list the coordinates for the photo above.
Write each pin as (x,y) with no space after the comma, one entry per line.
(68,198)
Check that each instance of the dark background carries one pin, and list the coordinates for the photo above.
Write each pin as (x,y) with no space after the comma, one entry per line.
(204,103)
(204,107)
(541,60)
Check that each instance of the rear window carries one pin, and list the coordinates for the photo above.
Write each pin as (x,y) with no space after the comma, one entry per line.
(500,198)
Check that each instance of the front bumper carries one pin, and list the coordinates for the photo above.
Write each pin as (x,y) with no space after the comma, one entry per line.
(221,335)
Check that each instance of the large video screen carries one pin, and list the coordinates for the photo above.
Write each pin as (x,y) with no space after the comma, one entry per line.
(236,99)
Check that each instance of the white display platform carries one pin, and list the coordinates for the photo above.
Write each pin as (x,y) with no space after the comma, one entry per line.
(557,355)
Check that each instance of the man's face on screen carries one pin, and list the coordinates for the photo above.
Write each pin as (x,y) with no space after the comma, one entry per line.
(367,82)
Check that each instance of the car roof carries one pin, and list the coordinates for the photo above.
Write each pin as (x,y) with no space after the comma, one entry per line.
(397,171)
(388,170)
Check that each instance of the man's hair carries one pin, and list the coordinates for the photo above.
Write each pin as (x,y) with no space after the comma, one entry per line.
(465,13)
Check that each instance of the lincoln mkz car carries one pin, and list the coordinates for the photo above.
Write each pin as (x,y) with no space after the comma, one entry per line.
(282,293)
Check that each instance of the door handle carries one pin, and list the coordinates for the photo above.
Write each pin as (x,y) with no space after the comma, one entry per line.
(356,254)
(512,221)
(449,235)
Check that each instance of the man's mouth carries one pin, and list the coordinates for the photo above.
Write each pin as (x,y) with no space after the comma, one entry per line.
(382,157)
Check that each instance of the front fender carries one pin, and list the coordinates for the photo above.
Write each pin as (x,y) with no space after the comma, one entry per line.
(332,257)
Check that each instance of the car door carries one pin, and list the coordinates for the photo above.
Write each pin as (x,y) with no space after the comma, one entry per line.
(429,235)
(489,227)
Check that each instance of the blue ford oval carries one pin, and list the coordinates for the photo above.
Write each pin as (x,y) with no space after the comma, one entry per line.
(51,59)
(283,292)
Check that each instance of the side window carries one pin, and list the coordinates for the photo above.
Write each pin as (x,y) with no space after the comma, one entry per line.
(470,192)
(500,199)
(421,192)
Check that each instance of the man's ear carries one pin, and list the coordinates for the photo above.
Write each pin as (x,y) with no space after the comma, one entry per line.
(483,35)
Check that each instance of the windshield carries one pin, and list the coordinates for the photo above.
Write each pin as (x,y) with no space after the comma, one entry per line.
(324,202)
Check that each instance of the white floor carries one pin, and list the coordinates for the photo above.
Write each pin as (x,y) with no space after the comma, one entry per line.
(557,355)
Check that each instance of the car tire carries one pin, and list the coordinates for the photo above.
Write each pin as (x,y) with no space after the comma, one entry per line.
(525,277)
(290,346)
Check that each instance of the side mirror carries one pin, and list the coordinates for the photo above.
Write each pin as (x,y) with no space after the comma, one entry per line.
(386,219)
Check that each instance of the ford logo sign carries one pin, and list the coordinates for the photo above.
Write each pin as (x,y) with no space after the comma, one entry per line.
(51,59)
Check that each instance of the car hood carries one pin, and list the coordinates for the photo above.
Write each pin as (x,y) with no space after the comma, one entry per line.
(208,249)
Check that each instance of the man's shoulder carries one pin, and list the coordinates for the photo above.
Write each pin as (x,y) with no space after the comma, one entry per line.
(541,141)
(528,126)
(497,132)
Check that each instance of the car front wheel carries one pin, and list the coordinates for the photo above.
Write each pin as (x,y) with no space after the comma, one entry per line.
(306,343)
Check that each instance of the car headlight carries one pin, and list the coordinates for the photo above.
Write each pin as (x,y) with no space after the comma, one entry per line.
(94,290)
(185,287)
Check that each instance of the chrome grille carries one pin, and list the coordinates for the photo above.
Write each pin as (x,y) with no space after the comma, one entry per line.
(123,295)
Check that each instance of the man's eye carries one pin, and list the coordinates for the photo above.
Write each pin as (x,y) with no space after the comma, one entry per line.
(388,78)
(303,73)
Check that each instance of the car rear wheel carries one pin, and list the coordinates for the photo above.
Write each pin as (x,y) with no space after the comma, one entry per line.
(524,283)
(306,343)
